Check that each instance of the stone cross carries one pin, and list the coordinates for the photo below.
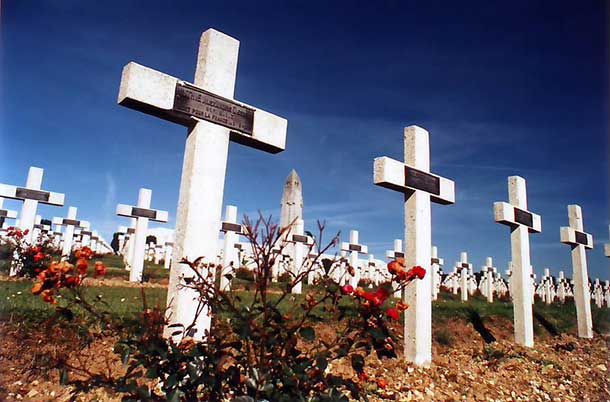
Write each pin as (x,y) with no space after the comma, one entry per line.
(488,279)
(353,248)
(607,293)
(213,118)
(31,195)
(464,267)
(300,242)
(436,265)
(575,236)
(70,222)
(6,213)
(547,281)
(121,237)
(232,231)
(143,214)
(397,252)
(598,293)
(372,271)
(521,223)
(57,235)
(167,258)
(420,187)
(561,287)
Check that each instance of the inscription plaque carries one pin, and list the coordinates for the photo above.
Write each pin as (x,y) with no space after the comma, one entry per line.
(46,222)
(3,213)
(355,247)
(422,181)
(131,230)
(231,227)
(434,261)
(29,194)
(581,238)
(399,254)
(86,233)
(143,212)
(300,238)
(465,265)
(524,218)
(71,222)
(237,246)
(216,109)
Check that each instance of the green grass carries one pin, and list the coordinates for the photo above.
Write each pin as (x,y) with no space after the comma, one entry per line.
(126,302)
(116,269)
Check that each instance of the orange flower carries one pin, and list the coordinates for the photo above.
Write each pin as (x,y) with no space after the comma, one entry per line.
(37,288)
(381,383)
(400,306)
(362,376)
(359,292)
(82,265)
(72,281)
(394,267)
(47,296)
(100,269)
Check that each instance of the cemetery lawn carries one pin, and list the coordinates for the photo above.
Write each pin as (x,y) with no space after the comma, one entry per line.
(560,367)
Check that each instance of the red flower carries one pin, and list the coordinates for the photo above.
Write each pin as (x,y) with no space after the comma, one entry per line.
(39,256)
(394,267)
(347,289)
(392,313)
(72,281)
(381,383)
(100,269)
(81,266)
(416,272)
(362,376)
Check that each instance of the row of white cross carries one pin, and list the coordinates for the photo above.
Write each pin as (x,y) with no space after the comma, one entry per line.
(213,118)
(75,231)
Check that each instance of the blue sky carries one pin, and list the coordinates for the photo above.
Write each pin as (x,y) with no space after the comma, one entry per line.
(504,88)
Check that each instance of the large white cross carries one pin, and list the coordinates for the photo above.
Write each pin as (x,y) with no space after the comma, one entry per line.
(70,222)
(143,214)
(353,248)
(31,195)
(521,222)
(213,118)
(575,236)
(413,178)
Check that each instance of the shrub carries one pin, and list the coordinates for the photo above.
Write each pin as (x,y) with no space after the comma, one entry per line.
(244,274)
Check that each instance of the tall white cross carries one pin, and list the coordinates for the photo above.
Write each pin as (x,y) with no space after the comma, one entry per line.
(413,178)
(232,230)
(575,236)
(521,223)
(31,195)
(143,214)
(70,222)
(213,118)
(353,248)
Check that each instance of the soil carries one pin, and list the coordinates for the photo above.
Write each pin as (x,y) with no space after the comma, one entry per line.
(558,368)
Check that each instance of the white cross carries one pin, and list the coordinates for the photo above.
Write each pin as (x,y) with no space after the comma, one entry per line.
(5,213)
(232,230)
(397,252)
(464,267)
(488,273)
(207,108)
(353,248)
(575,236)
(436,265)
(413,178)
(521,222)
(31,195)
(70,222)
(169,247)
(607,247)
(300,242)
(143,214)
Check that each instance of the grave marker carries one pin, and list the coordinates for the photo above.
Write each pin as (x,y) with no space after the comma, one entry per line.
(420,187)
(575,236)
(232,230)
(464,268)
(31,195)
(207,108)
(142,213)
(488,273)
(521,223)
(353,248)
(436,267)
(70,222)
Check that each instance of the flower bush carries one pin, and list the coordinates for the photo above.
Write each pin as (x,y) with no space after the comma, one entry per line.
(28,260)
(265,343)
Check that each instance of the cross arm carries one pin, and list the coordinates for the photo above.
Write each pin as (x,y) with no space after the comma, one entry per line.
(129,211)
(397,176)
(152,92)
(20,193)
(233,227)
(571,236)
(8,213)
(507,214)
(345,246)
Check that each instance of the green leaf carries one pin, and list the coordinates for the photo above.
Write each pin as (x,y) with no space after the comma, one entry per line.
(308,333)
(358,363)
(170,382)
(125,355)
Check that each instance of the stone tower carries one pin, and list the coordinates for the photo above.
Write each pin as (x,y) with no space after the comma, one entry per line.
(292,200)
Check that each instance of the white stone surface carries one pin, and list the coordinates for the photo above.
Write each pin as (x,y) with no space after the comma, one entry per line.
(229,252)
(418,237)
(520,279)
(582,295)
